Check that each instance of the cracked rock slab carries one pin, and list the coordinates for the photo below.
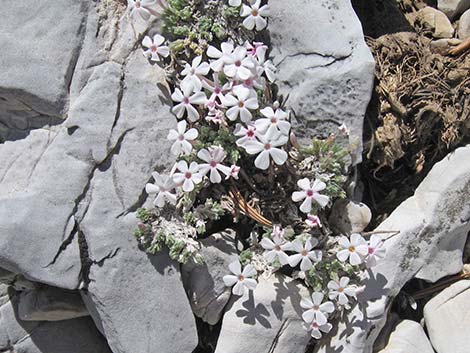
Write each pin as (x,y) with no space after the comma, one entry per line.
(324,67)
(408,336)
(266,320)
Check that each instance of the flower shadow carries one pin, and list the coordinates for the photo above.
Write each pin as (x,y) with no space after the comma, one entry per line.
(254,313)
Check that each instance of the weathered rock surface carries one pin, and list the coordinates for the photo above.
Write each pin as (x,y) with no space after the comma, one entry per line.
(266,320)
(71,336)
(349,216)
(38,57)
(463,31)
(447,319)
(433,226)
(204,283)
(70,191)
(50,304)
(453,8)
(329,80)
(434,20)
(408,337)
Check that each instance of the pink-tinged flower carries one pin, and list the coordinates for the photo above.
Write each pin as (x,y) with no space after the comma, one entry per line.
(376,250)
(355,250)
(213,158)
(274,124)
(162,187)
(143,8)
(343,129)
(340,291)
(182,138)
(305,254)
(234,170)
(310,192)
(313,221)
(238,66)
(245,133)
(275,248)
(240,279)
(154,46)
(223,56)
(187,99)
(188,176)
(215,116)
(216,88)
(267,149)
(255,15)
(317,330)
(193,73)
(240,105)
(316,310)
(257,50)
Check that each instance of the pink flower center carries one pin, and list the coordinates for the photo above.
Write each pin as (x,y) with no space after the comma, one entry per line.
(241,278)
(249,82)
(137,4)
(213,164)
(316,307)
(273,120)
(371,251)
(250,133)
(181,137)
(277,248)
(238,63)
(314,325)
(304,252)
(217,90)
(186,100)
(153,48)
(188,175)
(267,146)
(340,290)
(241,104)
(254,12)
(309,193)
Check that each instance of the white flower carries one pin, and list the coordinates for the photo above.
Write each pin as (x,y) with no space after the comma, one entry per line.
(375,250)
(223,56)
(142,8)
(313,221)
(216,116)
(354,249)
(246,133)
(188,176)
(154,46)
(182,138)
(266,149)
(217,90)
(213,158)
(162,187)
(274,124)
(234,170)
(241,105)
(194,71)
(340,291)
(235,3)
(269,70)
(343,129)
(316,310)
(276,249)
(187,99)
(305,254)
(318,329)
(257,50)
(310,193)
(238,66)
(254,15)
(240,279)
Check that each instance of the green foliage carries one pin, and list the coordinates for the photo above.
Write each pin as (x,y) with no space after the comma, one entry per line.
(245,257)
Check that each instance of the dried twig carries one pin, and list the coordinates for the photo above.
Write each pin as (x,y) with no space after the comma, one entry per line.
(465,45)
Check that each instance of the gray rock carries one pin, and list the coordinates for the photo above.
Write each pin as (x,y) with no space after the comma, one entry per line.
(89,173)
(71,336)
(393,319)
(433,226)
(453,8)
(329,80)
(447,320)
(463,31)
(408,337)
(204,285)
(267,319)
(45,47)
(434,20)
(50,304)
(349,216)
